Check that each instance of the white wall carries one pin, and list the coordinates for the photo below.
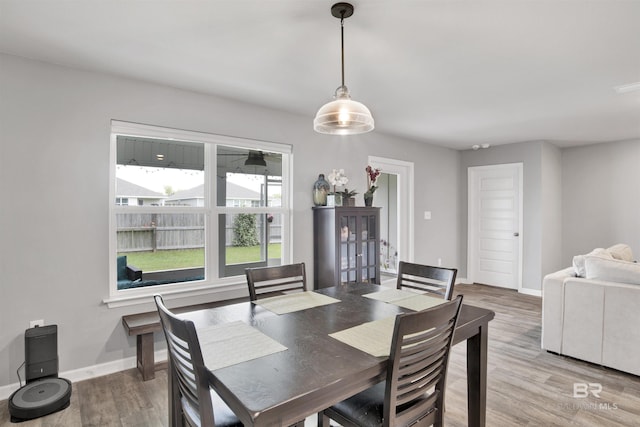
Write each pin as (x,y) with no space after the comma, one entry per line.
(551,212)
(601,197)
(54,182)
(541,214)
(576,199)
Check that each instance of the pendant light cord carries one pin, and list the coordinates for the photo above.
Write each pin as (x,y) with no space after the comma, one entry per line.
(342,43)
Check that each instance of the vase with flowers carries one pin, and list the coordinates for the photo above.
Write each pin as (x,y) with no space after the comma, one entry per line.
(388,256)
(372,176)
(337,178)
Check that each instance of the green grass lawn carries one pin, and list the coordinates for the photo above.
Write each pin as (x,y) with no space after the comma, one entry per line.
(189,258)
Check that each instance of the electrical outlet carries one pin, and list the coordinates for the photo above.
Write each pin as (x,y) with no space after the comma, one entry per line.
(439,262)
(34,323)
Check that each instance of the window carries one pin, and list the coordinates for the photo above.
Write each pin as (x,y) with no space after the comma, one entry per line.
(193,210)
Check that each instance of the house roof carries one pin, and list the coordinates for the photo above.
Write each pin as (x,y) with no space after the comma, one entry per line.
(129,189)
(234,191)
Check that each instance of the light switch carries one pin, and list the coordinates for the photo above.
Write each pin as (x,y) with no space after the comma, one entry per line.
(427,214)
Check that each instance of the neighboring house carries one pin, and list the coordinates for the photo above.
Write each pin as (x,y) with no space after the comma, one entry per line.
(130,194)
(190,197)
(241,197)
(237,196)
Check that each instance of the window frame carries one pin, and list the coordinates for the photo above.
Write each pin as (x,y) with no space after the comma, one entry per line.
(212,283)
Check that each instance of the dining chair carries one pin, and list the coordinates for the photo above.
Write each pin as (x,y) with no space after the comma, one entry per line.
(198,402)
(425,278)
(414,389)
(270,281)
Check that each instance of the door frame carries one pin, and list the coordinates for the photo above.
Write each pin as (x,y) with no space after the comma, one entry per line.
(404,171)
(472,196)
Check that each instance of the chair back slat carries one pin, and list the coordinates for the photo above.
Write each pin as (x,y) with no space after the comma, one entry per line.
(269,281)
(438,281)
(187,367)
(418,364)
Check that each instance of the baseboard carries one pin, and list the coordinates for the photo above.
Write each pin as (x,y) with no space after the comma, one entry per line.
(461,280)
(89,372)
(533,292)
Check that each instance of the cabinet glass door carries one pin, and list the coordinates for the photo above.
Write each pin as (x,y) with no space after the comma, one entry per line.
(358,253)
(348,249)
(368,252)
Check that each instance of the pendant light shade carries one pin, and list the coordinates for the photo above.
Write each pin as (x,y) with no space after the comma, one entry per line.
(343,116)
(255,158)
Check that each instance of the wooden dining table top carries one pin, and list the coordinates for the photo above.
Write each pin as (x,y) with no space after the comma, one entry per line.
(316,370)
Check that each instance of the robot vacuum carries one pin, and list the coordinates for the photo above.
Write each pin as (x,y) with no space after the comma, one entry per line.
(44,393)
(39,398)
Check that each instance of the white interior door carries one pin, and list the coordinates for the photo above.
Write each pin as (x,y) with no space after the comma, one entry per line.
(495,217)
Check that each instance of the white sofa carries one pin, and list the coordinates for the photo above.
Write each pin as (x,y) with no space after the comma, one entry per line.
(595,317)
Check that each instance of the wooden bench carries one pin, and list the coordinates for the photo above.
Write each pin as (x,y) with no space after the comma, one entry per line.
(143,325)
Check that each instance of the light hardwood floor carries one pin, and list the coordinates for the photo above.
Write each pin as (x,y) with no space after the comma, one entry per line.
(526,385)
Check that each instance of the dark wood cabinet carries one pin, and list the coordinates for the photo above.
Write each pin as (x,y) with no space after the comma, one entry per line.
(346,245)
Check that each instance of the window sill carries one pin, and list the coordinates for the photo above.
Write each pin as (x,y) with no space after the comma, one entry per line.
(220,291)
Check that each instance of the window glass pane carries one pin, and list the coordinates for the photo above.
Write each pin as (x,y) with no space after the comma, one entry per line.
(250,240)
(372,275)
(159,248)
(365,254)
(156,172)
(365,227)
(162,216)
(352,228)
(372,253)
(248,178)
(352,255)
(372,228)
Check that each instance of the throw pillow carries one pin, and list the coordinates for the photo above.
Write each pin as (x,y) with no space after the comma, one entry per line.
(612,270)
(578,260)
(621,251)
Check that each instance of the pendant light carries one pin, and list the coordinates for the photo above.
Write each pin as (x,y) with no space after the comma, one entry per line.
(255,158)
(343,116)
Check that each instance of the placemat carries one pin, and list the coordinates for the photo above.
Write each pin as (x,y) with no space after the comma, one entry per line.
(295,302)
(389,295)
(419,302)
(232,343)
(371,337)
(407,299)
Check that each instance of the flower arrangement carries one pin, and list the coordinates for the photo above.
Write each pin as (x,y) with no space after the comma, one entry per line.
(372,175)
(337,178)
(388,255)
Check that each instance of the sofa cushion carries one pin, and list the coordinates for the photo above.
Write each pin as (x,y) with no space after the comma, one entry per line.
(612,270)
(578,260)
(621,251)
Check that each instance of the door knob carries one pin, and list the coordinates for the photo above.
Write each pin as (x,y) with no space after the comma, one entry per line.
(516,234)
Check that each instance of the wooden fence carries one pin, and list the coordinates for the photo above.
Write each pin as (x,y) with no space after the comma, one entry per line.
(151,232)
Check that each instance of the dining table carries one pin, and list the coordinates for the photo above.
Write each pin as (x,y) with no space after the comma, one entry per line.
(276,364)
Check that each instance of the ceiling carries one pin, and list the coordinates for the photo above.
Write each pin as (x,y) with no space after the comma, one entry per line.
(447,72)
